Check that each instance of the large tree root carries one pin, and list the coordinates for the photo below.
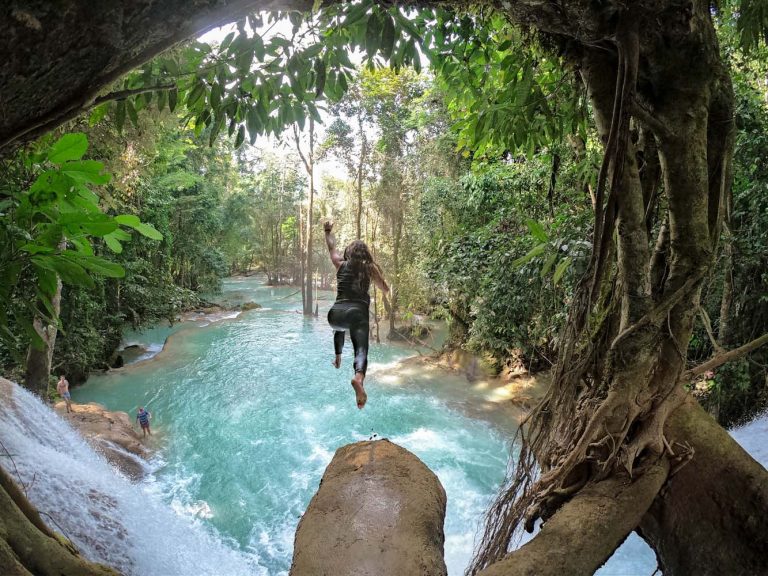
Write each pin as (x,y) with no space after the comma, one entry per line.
(584,533)
(712,516)
(28,547)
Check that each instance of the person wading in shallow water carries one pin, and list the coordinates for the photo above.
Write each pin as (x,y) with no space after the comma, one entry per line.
(354,273)
(143,417)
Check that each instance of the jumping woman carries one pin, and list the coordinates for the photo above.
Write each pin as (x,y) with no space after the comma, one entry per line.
(354,273)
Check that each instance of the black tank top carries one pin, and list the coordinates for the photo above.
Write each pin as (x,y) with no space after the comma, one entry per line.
(347,287)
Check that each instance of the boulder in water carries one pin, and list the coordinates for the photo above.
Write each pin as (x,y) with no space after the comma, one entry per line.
(379,511)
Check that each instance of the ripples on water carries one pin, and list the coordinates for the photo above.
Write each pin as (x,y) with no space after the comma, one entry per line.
(247,413)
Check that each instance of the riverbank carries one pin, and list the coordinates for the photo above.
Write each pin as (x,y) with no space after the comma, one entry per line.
(111,434)
(502,400)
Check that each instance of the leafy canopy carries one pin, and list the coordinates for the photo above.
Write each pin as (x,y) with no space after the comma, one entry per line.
(51,228)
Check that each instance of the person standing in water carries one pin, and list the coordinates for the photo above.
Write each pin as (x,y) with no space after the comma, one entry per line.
(143,417)
(62,387)
(354,273)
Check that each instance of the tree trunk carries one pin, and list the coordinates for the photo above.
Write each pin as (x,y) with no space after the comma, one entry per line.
(309,165)
(710,519)
(39,359)
(308,301)
(360,164)
(397,232)
(584,533)
(28,546)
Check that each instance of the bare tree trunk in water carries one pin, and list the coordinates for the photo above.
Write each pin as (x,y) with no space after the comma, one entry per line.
(397,232)
(375,290)
(309,165)
(360,164)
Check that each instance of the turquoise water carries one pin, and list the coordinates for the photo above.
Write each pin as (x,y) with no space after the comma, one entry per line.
(247,413)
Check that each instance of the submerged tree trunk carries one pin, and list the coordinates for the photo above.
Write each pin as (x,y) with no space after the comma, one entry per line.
(309,165)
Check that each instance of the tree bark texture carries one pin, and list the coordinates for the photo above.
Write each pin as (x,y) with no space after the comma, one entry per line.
(710,518)
(28,546)
(58,57)
(38,365)
(584,533)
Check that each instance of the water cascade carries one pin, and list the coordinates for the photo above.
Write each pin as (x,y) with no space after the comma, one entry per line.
(109,519)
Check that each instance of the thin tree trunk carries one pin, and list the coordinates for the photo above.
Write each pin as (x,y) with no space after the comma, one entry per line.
(309,165)
(310,226)
(39,359)
(38,365)
(360,164)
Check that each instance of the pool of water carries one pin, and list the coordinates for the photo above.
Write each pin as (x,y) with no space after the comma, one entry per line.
(247,413)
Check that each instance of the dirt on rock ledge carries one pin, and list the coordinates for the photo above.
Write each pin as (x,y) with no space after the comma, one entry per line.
(111,434)
(379,511)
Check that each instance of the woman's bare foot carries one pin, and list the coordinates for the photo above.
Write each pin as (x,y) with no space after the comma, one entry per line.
(336,363)
(357,384)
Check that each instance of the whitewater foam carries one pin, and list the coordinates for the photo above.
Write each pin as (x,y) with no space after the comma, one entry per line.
(109,519)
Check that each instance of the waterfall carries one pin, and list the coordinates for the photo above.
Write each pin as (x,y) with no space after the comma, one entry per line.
(109,519)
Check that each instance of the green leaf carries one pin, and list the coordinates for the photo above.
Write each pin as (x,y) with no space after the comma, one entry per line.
(372,34)
(319,77)
(252,123)
(355,13)
(560,270)
(387,36)
(47,281)
(173,96)
(97,114)
(240,136)
(68,271)
(537,250)
(217,125)
(195,94)
(548,264)
(215,96)
(149,231)
(258,47)
(128,220)
(37,249)
(132,114)
(113,243)
(86,171)
(171,67)
(537,230)
(162,99)
(227,40)
(68,147)
(97,265)
(120,115)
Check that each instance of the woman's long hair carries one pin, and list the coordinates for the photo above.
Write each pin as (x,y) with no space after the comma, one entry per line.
(363,266)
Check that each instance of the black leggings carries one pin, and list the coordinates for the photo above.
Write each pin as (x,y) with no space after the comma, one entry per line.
(351,316)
